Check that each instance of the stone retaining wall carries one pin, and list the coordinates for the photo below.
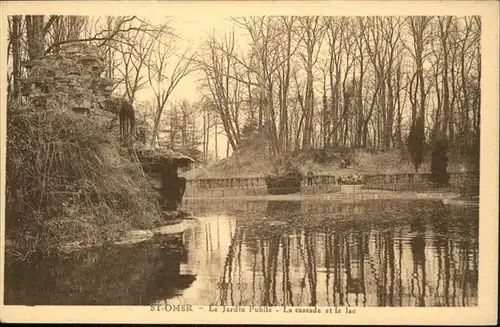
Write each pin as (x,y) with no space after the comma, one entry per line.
(252,186)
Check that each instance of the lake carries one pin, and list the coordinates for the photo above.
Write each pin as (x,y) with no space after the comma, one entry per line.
(294,253)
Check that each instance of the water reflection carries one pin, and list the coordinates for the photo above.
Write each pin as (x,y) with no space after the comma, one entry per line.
(128,275)
(294,253)
(374,254)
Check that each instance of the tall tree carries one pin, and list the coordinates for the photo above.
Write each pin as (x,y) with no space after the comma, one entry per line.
(313,36)
(163,82)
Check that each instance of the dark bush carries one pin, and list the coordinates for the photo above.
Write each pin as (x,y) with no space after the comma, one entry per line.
(285,179)
(416,142)
(439,162)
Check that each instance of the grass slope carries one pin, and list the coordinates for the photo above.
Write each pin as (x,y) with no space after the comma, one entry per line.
(68,179)
(255,164)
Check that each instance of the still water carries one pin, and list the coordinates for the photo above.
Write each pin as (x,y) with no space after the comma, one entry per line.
(294,253)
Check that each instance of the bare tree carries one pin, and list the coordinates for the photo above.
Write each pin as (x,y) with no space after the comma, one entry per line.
(161,81)
(418,26)
(334,31)
(136,53)
(287,26)
(36,30)
(392,28)
(225,92)
(313,36)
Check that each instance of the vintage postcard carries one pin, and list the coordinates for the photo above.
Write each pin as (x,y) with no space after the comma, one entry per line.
(296,162)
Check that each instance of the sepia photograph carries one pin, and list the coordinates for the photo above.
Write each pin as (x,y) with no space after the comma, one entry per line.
(280,165)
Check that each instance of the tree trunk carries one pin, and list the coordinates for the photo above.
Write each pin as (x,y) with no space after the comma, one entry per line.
(359,108)
(446,90)
(420,74)
(216,134)
(35,36)
(309,103)
(383,112)
(15,38)
(204,135)
(390,114)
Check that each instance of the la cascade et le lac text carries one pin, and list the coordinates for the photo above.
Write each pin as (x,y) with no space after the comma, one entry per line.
(265,309)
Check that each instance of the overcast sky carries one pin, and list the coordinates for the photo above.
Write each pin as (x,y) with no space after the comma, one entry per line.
(192,31)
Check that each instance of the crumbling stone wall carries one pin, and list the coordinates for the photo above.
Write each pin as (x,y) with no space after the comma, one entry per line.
(67,80)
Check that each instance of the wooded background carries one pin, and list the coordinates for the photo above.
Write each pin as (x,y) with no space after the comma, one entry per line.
(284,83)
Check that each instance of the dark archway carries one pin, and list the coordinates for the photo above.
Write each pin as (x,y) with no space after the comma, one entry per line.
(163,166)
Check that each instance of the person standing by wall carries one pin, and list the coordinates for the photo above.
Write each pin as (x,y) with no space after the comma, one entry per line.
(309,177)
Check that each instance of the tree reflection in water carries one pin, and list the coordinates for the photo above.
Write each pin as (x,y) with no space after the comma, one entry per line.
(327,253)
(294,253)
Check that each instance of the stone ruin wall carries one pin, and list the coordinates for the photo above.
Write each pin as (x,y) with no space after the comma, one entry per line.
(69,79)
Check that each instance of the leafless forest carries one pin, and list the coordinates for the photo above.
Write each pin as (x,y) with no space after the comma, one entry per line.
(284,83)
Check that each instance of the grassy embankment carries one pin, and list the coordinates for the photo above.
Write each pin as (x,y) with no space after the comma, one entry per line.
(256,164)
(68,179)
